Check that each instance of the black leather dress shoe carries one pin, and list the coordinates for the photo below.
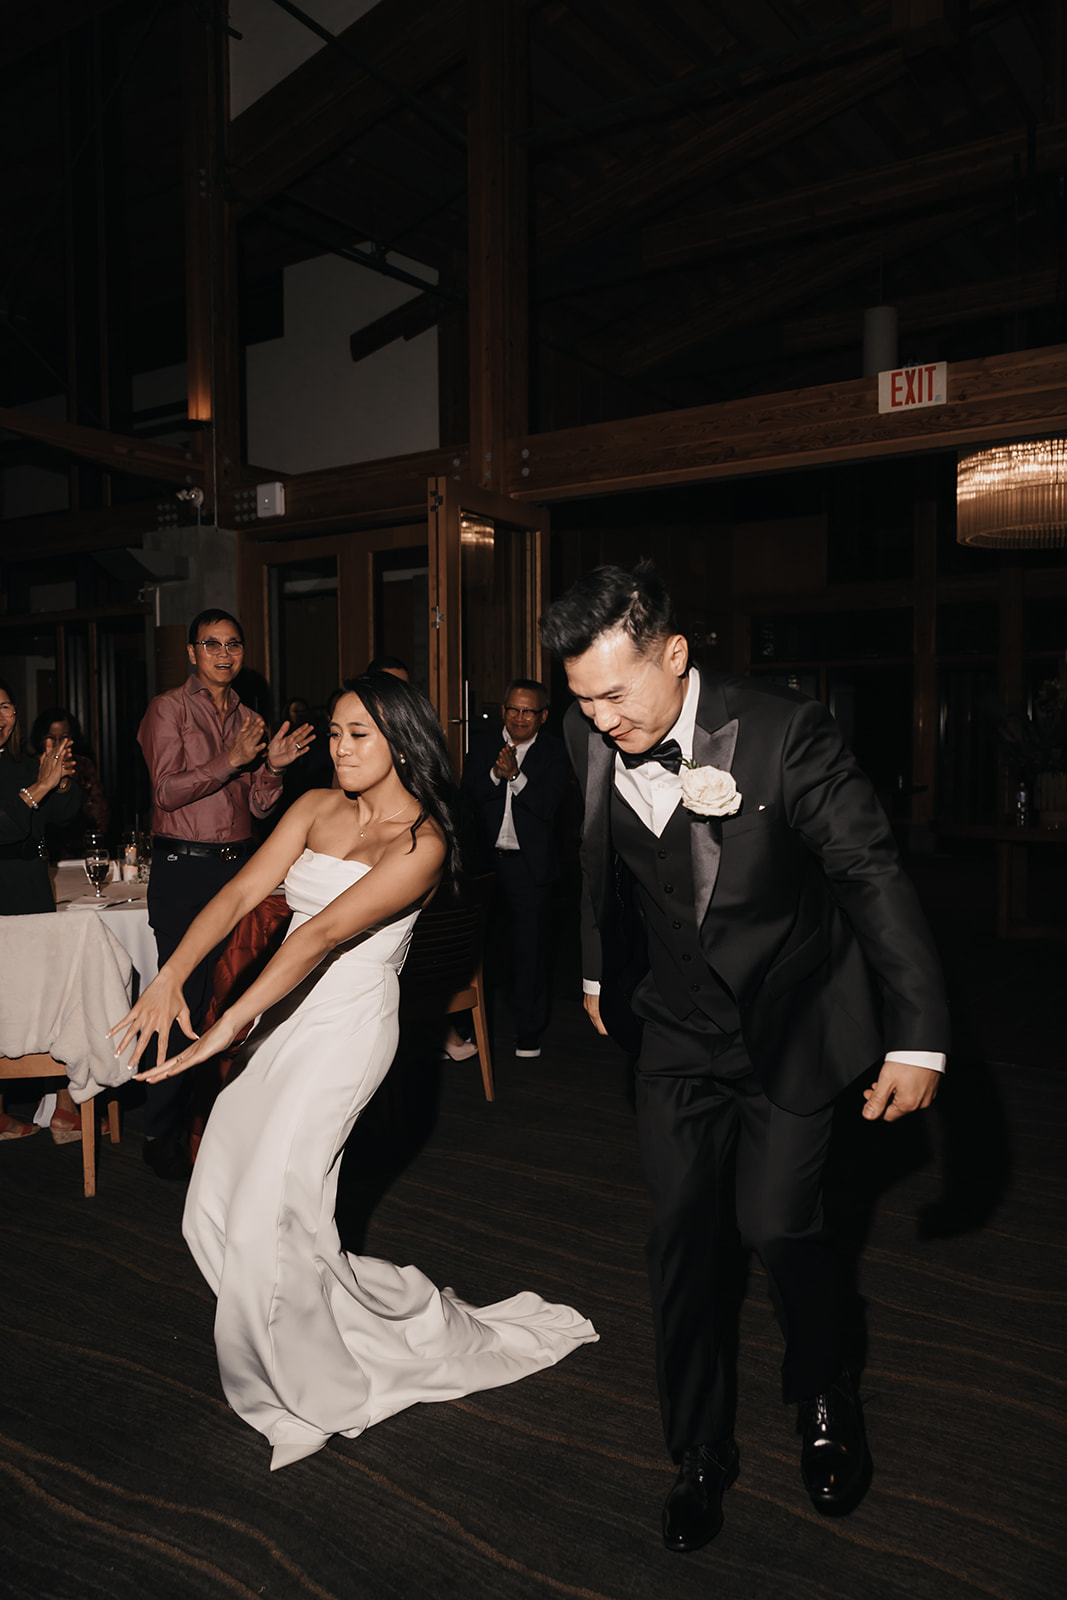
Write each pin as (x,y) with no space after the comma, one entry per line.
(834,1461)
(168,1158)
(692,1514)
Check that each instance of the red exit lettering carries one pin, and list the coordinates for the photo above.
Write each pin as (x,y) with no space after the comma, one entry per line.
(906,388)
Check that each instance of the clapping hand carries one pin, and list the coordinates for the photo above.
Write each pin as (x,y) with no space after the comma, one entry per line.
(506,766)
(249,741)
(289,743)
(56,764)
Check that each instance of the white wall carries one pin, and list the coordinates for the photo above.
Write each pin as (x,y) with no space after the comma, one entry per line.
(309,404)
(273,43)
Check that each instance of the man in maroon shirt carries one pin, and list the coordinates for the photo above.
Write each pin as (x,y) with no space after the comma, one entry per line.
(201,745)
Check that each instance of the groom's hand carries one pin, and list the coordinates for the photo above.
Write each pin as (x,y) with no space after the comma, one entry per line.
(592,1007)
(899,1088)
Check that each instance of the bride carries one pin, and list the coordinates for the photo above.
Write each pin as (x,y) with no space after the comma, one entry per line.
(312,1341)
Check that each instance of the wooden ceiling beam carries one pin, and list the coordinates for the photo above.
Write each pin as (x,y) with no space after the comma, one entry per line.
(368,494)
(1000,396)
(967,303)
(799,276)
(27,28)
(691,86)
(61,533)
(365,495)
(140,458)
(1012,395)
(328,101)
(921,181)
(406,322)
(759,124)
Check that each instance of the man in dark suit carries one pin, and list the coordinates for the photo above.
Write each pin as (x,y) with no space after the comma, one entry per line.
(786,956)
(517,778)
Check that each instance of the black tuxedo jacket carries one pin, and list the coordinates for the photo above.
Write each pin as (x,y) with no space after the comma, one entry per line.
(533,811)
(801,902)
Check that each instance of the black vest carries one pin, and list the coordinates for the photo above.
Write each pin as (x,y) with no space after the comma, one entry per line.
(663,870)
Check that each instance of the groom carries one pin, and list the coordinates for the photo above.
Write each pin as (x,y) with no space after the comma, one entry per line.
(784,955)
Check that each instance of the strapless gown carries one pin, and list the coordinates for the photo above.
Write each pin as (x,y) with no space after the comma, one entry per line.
(313,1341)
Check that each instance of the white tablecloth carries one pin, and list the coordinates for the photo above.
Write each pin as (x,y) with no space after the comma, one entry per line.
(67,980)
(128,920)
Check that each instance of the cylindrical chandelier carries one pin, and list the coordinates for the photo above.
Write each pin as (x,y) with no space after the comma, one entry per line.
(1013,496)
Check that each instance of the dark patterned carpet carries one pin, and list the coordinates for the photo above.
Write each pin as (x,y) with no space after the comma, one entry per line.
(124,1475)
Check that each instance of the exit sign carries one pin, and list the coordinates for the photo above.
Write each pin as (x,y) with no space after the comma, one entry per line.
(908,388)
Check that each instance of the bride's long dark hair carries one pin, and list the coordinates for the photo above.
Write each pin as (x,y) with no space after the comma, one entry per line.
(409,725)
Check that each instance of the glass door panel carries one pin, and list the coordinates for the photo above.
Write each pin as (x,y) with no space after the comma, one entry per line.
(304,651)
(487,558)
(401,605)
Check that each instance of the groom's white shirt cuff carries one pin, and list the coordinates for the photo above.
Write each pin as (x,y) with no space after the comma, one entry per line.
(932,1060)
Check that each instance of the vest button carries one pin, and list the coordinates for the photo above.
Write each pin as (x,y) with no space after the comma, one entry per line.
(668,888)
(676,926)
(695,987)
(687,958)
(662,854)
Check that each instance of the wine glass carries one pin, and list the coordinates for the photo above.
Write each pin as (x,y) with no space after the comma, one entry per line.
(97,868)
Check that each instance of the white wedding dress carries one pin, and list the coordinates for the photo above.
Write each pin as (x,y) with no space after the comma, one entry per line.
(312,1341)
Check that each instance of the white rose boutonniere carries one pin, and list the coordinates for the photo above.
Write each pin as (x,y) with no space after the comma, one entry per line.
(708,791)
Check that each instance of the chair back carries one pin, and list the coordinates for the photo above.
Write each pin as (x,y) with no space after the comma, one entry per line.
(446,949)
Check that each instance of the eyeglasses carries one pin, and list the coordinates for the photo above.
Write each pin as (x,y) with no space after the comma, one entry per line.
(521,711)
(218,647)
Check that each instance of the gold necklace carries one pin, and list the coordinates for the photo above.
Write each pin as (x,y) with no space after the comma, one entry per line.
(389,818)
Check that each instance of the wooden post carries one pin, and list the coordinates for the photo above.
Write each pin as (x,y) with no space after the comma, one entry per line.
(1011,662)
(213,357)
(69,272)
(100,177)
(498,233)
(924,681)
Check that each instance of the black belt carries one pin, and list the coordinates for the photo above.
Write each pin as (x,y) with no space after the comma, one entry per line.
(217,852)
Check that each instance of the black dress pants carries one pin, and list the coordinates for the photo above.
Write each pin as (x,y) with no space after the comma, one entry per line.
(726,1166)
(178,890)
(528,904)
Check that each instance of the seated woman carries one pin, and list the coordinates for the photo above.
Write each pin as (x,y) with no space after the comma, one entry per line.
(33,792)
(312,1340)
(65,838)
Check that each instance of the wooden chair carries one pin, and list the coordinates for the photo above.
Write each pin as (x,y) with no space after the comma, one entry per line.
(443,970)
(46,1066)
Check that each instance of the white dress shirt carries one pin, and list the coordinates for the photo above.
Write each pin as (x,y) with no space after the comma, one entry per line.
(507,838)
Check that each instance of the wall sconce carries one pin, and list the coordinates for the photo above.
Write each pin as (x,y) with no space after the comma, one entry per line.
(1013,496)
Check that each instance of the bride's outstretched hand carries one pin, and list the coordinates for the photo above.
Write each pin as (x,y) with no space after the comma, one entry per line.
(162,1004)
(217,1038)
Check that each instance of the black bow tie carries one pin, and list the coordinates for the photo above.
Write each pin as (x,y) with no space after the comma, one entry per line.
(668,753)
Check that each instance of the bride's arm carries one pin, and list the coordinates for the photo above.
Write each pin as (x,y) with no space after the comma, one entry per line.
(163,1001)
(400,881)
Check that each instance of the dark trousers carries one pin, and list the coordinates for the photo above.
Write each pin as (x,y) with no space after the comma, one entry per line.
(178,890)
(727,1168)
(527,903)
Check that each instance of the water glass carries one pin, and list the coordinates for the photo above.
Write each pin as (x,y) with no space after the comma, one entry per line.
(97,869)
